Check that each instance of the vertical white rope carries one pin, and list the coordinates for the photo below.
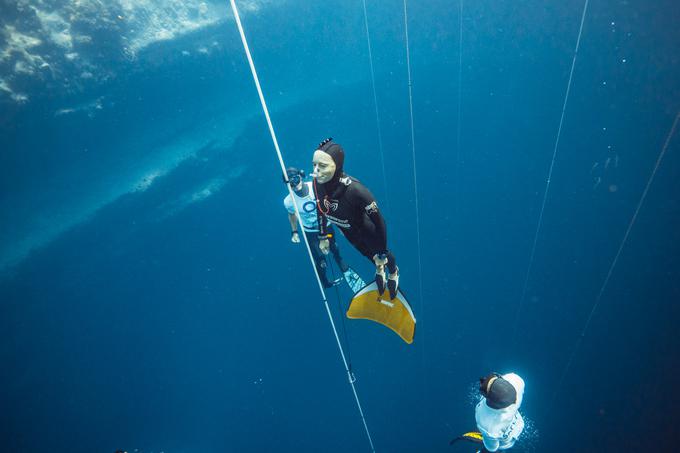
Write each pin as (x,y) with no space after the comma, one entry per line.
(618,253)
(415,171)
(377,114)
(415,189)
(550,172)
(350,376)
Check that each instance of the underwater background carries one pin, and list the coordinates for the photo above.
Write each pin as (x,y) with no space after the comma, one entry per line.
(151,299)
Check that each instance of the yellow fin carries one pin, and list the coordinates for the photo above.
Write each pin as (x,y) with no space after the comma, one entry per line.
(473,436)
(395,314)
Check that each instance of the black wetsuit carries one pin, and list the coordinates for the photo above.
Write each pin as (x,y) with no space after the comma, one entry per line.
(347,203)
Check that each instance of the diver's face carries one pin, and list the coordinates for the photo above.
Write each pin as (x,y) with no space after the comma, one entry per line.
(295,182)
(324,166)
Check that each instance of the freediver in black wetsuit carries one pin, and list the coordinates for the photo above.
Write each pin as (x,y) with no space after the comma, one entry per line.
(347,203)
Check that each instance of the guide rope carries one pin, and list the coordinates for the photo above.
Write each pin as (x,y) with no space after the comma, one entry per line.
(415,189)
(341,315)
(415,170)
(350,376)
(550,172)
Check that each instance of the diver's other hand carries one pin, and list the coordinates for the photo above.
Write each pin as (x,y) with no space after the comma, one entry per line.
(295,237)
(324,246)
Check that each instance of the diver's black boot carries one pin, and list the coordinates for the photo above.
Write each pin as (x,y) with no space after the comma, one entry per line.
(393,283)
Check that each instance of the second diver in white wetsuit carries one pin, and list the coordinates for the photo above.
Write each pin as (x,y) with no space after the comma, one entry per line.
(497,413)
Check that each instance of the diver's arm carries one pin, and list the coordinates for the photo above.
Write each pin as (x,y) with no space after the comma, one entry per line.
(292,218)
(380,229)
(294,236)
(321,219)
(322,222)
(364,199)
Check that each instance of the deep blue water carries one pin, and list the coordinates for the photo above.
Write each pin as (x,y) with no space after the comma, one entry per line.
(151,299)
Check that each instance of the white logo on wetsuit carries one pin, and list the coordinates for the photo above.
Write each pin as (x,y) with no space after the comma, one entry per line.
(309,206)
(371,208)
(330,205)
(339,222)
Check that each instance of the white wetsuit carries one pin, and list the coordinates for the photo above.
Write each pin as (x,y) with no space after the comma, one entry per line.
(501,428)
(307,207)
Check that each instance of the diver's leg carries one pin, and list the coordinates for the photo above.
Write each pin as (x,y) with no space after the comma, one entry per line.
(359,244)
(361,241)
(391,263)
(319,258)
(336,254)
(393,276)
(375,243)
(365,243)
(354,281)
